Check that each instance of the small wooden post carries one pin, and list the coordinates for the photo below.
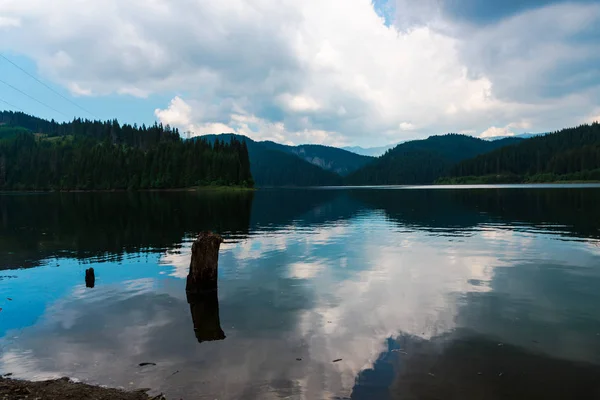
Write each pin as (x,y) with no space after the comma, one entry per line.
(204,264)
(90,278)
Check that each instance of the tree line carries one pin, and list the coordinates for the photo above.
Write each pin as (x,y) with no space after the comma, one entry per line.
(95,155)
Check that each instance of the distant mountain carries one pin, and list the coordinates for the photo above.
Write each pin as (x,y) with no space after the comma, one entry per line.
(370,151)
(333,159)
(423,161)
(571,154)
(275,165)
(521,136)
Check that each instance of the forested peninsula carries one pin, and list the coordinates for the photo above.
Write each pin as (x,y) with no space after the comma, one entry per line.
(37,154)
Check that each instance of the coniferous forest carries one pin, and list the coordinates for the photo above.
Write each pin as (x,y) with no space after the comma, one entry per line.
(36,154)
(571,154)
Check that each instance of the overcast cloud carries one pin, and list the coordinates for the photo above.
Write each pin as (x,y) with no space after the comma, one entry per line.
(334,72)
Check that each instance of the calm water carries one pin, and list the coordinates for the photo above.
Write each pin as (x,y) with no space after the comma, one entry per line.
(423,294)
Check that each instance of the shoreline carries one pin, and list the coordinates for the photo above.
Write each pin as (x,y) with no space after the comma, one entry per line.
(479,183)
(59,389)
(230,189)
(189,189)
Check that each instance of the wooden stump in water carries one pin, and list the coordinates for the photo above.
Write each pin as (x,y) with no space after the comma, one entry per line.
(201,287)
(204,264)
(90,278)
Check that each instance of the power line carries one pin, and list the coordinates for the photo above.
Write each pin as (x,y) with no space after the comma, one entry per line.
(33,98)
(48,87)
(11,105)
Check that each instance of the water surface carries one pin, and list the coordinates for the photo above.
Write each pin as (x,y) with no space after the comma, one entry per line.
(490,293)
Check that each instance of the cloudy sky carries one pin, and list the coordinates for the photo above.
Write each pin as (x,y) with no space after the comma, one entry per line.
(338,72)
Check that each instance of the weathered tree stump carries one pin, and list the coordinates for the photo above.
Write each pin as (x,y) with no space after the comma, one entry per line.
(90,278)
(204,264)
(201,287)
(205,316)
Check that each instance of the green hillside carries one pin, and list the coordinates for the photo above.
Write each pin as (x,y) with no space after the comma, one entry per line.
(571,154)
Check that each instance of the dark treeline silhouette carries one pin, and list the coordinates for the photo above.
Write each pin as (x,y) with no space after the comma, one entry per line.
(91,155)
(571,154)
(423,161)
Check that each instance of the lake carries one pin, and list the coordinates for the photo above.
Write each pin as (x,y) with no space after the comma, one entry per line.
(379,293)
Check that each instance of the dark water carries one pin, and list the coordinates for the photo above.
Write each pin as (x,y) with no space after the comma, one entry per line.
(422,293)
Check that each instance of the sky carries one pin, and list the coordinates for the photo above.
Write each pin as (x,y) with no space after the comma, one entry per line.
(335,72)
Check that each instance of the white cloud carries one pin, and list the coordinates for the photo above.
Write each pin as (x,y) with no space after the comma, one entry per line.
(495,132)
(177,114)
(299,103)
(508,130)
(77,90)
(406,126)
(133,91)
(7,22)
(302,71)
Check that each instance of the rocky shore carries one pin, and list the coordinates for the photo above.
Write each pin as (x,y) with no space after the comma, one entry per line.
(63,388)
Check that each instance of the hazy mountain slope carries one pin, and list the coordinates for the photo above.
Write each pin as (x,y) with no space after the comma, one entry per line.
(521,136)
(272,167)
(370,151)
(333,159)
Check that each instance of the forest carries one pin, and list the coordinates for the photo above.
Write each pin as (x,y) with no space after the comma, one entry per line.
(37,154)
(92,155)
(571,154)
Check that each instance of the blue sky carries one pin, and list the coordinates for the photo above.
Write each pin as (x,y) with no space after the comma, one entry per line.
(339,72)
(125,108)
